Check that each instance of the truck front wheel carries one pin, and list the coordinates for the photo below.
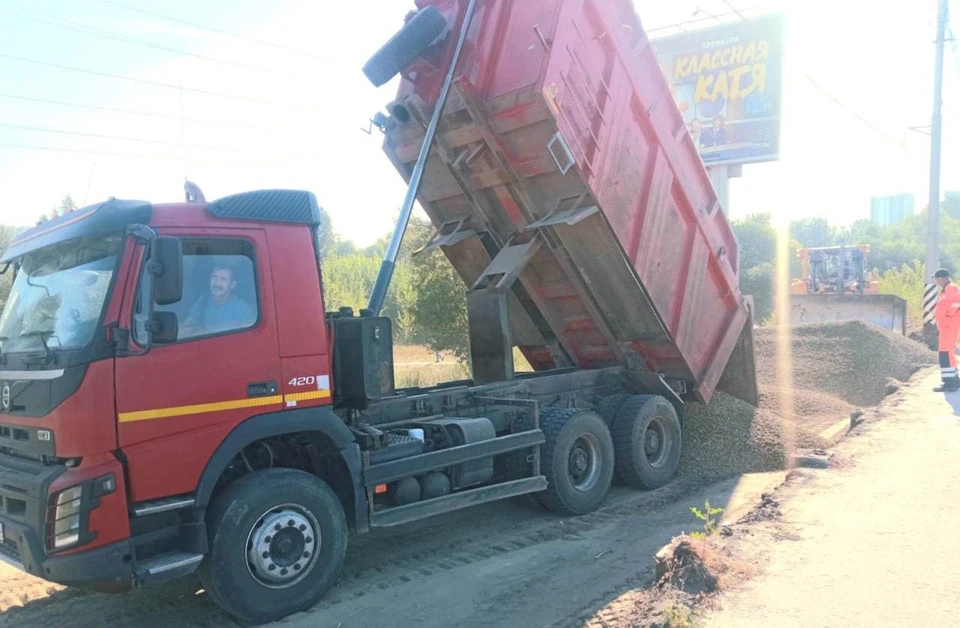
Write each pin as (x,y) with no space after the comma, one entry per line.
(277,542)
(577,460)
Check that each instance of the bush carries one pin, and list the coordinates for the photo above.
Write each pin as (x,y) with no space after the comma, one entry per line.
(758,282)
(907,282)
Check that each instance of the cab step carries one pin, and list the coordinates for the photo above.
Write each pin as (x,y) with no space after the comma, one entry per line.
(164,504)
(167,566)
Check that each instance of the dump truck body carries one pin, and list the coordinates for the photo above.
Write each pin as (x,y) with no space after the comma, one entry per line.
(562,160)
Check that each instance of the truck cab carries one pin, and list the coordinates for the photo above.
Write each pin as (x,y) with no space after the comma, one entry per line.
(174,399)
(136,339)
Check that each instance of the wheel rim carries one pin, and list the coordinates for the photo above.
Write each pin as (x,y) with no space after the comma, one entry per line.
(283,546)
(656,443)
(583,462)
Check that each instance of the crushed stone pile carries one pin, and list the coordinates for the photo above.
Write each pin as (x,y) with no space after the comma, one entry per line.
(729,436)
(837,367)
(851,361)
(811,408)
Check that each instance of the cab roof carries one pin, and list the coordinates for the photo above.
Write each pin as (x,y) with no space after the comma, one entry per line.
(289,206)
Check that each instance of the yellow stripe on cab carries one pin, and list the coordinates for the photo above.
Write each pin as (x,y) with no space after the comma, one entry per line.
(219,406)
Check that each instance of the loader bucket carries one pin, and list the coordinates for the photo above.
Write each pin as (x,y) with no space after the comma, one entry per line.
(883,310)
(739,378)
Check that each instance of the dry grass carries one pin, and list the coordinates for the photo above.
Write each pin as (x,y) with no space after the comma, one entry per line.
(418,354)
(421,376)
(415,366)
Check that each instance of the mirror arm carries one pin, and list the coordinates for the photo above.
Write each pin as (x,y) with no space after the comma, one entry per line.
(146,236)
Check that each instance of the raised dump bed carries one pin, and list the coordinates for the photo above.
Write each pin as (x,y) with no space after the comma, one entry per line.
(563,179)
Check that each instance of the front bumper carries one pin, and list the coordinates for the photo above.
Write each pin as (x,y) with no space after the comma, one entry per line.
(109,566)
(24,490)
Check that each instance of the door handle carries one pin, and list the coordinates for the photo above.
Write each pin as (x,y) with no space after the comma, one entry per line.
(261,389)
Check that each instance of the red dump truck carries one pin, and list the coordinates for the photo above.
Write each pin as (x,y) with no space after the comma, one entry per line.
(174,399)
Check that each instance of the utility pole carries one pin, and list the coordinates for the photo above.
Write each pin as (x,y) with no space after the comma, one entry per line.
(933,210)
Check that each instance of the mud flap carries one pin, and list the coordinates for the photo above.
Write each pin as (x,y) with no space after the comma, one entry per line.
(882,310)
(739,378)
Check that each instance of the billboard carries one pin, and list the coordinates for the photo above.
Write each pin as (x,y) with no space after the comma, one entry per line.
(727,81)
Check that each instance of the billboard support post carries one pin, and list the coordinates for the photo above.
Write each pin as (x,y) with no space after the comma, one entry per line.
(720,177)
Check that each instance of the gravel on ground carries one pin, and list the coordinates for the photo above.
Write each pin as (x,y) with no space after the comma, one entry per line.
(836,368)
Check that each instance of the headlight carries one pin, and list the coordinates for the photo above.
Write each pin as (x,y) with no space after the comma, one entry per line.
(66,519)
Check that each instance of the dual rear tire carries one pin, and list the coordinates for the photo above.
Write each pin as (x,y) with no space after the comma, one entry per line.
(637,438)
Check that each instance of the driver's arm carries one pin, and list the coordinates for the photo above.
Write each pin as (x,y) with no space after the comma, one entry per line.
(193,325)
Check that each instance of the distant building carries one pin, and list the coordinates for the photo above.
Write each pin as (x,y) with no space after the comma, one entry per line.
(886,210)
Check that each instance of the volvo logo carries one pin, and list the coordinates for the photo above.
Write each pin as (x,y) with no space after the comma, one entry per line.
(5,397)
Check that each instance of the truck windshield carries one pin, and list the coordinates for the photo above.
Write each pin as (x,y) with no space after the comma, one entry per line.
(58,295)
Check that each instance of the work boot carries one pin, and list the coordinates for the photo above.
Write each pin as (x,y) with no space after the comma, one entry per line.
(947,387)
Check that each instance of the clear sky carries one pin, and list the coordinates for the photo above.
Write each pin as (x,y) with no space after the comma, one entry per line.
(875,58)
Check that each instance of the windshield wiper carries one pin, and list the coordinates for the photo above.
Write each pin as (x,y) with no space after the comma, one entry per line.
(47,355)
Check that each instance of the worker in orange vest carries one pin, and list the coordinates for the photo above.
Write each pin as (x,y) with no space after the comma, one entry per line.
(948,324)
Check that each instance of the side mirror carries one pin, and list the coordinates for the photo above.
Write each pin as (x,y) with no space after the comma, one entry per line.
(164,328)
(168,259)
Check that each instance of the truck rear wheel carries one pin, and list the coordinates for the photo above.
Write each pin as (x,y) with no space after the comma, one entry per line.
(577,460)
(608,407)
(277,542)
(647,439)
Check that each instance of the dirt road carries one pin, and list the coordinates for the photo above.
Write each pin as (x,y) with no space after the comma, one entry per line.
(872,543)
(509,564)
(495,565)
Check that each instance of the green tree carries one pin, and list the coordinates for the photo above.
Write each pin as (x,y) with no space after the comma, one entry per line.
(907,283)
(348,280)
(758,240)
(426,300)
(759,283)
(343,247)
(951,205)
(440,307)
(326,238)
(66,205)
(758,256)
(811,232)
(6,279)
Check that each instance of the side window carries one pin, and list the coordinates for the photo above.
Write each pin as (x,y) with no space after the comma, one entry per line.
(219,288)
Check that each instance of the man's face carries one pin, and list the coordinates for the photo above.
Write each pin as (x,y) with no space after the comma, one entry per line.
(222,282)
(942,281)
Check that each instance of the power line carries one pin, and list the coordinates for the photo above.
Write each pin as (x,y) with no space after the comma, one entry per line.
(680,25)
(822,89)
(71,25)
(121,138)
(194,90)
(849,110)
(216,30)
(101,153)
(152,114)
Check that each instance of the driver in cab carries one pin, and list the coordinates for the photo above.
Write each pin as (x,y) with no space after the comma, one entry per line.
(220,309)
